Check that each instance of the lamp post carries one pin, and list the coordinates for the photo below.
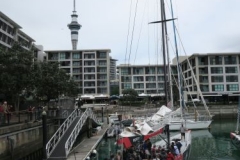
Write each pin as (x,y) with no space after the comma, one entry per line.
(44,133)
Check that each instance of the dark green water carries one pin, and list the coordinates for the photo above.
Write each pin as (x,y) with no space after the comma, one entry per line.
(213,144)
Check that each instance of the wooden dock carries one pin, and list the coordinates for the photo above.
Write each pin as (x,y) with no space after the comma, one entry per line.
(84,149)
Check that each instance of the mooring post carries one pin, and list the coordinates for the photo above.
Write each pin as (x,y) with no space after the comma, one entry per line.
(44,133)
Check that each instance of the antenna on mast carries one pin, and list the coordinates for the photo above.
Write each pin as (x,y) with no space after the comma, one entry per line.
(74,6)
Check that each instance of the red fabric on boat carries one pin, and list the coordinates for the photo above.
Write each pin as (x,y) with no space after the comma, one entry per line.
(153,134)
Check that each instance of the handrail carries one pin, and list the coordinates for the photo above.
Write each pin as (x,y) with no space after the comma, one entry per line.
(52,143)
(71,139)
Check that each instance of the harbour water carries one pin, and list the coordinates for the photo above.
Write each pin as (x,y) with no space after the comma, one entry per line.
(212,144)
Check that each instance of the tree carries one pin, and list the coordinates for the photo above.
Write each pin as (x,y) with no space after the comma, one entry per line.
(15,72)
(129,95)
(114,90)
(50,82)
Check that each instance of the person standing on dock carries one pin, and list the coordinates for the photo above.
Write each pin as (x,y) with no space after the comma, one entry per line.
(182,130)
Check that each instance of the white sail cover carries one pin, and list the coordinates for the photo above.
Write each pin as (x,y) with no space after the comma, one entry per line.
(145,129)
(127,134)
(161,113)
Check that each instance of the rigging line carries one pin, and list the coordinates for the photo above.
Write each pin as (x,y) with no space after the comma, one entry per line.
(157,37)
(128,31)
(132,32)
(148,36)
(140,32)
(194,77)
(185,83)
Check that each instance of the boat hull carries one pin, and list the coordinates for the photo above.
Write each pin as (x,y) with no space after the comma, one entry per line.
(235,139)
(186,145)
(175,125)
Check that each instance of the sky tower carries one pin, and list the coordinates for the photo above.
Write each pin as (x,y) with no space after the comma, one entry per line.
(74,26)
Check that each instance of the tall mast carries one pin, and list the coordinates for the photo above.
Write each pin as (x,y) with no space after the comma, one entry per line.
(163,22)
(74,26)
(170,95)
(163,46)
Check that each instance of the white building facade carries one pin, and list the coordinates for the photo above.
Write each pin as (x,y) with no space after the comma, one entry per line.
(89,68)
(218,75)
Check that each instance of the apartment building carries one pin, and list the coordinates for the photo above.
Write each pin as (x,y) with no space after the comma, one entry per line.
(218,75)
(148,79)
(10,33)
(113,69)
(89,68)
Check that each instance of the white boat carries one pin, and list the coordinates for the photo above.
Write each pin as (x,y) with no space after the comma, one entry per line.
(175,120)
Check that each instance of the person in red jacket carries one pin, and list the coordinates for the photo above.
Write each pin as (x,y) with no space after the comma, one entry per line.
(170,156)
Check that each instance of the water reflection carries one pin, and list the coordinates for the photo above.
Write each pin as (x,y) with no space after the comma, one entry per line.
(214,144)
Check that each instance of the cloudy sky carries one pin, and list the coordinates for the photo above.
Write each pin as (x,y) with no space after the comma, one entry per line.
(204,26)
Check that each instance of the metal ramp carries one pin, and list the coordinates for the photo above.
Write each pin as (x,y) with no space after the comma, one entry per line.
(59,151)
(62,141)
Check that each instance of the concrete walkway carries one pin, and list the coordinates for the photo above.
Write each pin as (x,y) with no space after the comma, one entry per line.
(84,149)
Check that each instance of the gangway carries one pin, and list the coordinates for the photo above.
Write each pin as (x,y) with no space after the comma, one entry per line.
(62,141)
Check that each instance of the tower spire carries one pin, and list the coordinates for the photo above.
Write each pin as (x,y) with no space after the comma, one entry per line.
(74,26)
(74,9)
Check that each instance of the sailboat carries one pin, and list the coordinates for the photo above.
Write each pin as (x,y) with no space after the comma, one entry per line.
(235,136)
(178,117)
(142,131)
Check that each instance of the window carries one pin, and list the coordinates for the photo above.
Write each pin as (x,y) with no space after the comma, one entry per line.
(161,85)
(126,85)
(160,70)
(217,78)
(231,78)
(216,60)
(138,85)
(76,70)
(76,63)
(151,78)
(102,63)
(160,78)
(218,87)
(203,79)
(62,55)
(102,55)
(203,70)
(137,70)
(230,59)
(125,71)
(138,79)
(151,85)
(126,79)
(231,70)
(203,60)
(76,56)
(232,87)
(203,88)
(217,70)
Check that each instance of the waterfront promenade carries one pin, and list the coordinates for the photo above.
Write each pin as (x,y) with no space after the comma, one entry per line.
(85,148)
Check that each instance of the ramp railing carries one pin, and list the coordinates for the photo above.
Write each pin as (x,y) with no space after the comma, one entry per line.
(52,143)
(70,141)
